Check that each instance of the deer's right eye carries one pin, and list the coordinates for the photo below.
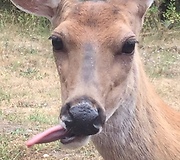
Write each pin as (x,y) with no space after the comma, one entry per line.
(57,43)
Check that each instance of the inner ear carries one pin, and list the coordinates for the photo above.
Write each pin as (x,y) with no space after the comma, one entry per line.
(43,8)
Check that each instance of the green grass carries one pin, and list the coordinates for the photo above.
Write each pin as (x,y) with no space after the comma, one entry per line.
(4,96)
(40,118)
(162,63)
(161,54)
(8,149)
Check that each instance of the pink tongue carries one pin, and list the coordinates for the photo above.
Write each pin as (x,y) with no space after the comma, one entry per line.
(49,135)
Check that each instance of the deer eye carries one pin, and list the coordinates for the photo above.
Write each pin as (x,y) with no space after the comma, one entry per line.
(57,43)
(129,46)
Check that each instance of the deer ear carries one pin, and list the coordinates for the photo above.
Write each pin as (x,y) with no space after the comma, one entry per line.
(143,6)
(140,6)
(43,8)
(149,3)
(136,7)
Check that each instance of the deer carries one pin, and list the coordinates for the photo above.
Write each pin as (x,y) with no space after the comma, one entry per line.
(106,95)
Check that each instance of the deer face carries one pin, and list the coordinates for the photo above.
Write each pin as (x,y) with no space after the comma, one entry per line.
(94,45)
(94,49)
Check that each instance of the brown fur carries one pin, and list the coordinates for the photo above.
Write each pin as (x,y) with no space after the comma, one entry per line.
(139,125)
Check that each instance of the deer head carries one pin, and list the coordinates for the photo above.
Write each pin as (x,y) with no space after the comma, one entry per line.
(94,45)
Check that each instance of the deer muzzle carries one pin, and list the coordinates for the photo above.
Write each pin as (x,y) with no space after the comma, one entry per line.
(80,118)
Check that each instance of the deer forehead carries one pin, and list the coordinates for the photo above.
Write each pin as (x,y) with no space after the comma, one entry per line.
(91,13)
(96,21)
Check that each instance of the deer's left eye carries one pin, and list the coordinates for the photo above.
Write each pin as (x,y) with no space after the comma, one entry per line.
(57,43)
(129,46)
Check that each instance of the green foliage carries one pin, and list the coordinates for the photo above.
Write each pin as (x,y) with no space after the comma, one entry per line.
(157,18)
(152,20)
(171,14)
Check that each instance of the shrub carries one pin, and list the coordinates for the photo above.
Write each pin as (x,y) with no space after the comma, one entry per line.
(172,16)
(163,13)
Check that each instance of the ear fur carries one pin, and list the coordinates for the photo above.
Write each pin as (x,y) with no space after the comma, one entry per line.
(43,8)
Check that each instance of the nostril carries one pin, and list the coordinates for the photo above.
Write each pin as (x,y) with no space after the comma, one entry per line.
(100,120)
(68,121)
(66,116)
(97,123)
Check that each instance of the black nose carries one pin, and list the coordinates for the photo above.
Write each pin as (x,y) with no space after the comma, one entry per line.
(83,116)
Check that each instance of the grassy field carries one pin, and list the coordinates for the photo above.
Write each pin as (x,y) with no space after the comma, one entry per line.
(30,89)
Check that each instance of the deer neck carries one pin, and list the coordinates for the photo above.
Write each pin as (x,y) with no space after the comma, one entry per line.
(136,129)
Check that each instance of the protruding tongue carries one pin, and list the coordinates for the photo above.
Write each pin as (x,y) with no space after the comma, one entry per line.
(49,135)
